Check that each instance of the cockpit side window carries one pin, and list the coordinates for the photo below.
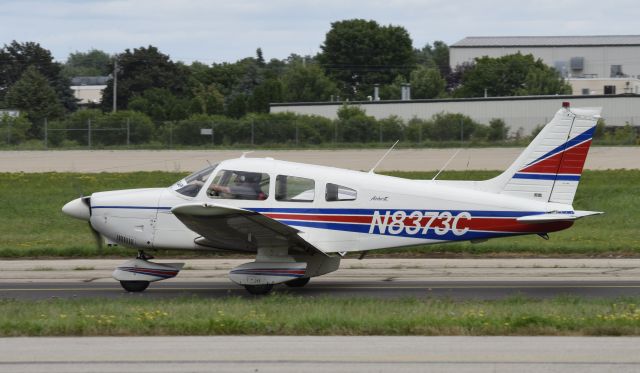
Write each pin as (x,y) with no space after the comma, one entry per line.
(335,192)
(191,185)
(294,189)
(231,184)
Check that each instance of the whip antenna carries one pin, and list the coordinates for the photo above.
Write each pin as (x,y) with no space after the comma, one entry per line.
(384,156)
(446,164)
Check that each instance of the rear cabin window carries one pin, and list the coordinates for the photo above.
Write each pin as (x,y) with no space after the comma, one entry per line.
(229,184)
(294,189)
(337,192)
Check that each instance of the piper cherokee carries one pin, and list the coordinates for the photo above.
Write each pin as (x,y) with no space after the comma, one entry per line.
(300,219)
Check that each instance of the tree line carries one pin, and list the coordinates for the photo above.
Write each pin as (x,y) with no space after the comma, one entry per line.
(355,55)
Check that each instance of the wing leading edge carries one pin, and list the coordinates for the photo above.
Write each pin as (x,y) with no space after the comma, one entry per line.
(231,228)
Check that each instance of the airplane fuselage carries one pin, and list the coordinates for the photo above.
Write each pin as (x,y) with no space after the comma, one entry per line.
(382,211)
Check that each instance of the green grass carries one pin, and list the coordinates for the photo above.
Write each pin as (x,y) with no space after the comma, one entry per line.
(291,315)
(32,224)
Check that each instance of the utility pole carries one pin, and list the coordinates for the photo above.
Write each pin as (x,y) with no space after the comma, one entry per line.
(115,84)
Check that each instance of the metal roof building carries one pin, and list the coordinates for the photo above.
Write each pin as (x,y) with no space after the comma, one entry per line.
(598,56)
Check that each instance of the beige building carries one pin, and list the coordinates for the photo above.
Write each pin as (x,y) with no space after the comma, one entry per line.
(604,86)
(88,89)
(606,64)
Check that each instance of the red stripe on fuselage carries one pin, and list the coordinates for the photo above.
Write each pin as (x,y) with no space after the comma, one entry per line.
(475,223)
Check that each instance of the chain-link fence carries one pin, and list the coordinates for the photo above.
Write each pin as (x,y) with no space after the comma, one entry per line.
(286,131)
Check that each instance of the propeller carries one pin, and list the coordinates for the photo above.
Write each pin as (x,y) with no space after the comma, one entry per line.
(96,235)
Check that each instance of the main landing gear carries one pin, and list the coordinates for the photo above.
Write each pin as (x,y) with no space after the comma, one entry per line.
(136,275)
(134,286)
(298,283)
(266,288)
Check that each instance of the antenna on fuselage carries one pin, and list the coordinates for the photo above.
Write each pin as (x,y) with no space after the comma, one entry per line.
(244,154)
(384,156)
(446,164)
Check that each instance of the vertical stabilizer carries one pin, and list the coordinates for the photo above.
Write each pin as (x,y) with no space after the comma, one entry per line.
(549,169)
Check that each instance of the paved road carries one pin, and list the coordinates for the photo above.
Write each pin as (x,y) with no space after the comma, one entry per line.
(384,278)
(320,354)
(320,287)
(190,160)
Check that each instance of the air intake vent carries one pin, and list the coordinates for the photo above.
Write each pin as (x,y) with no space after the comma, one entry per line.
(126,240)
(577,63)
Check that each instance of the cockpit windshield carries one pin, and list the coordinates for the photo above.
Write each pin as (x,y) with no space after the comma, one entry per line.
(191,185)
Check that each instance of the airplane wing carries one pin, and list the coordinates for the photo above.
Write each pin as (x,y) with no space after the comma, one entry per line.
(553,217)
(231,228)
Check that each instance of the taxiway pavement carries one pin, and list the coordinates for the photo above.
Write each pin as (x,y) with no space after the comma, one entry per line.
(600,158)
(320,354)
(384,278)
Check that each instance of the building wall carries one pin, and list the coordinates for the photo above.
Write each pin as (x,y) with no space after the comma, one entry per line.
(597,59)
(518,112)
(596,86)
(88,94)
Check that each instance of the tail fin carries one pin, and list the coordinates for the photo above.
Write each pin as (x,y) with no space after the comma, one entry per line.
(549,169)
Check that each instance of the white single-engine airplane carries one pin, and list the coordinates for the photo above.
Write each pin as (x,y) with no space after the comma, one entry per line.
(300,219)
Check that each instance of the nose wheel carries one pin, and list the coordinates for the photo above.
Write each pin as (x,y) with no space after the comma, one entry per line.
(259,289)
(134,286)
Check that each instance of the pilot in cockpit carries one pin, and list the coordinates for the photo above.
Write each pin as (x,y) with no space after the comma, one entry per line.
(246,185)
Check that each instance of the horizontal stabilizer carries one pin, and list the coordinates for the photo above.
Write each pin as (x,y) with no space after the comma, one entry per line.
(554,216)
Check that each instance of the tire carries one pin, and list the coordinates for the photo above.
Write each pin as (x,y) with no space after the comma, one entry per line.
(134,286)
(298,283)
(259,289)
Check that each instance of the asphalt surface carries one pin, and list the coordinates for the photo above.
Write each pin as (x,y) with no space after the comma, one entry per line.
(346,288)
(381,278)
(600,158)
(320,354)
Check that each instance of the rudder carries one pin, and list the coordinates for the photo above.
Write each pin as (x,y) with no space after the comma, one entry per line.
(549,169)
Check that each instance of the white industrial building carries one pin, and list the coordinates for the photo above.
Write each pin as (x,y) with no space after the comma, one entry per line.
(525,113)
(606,64)
(88,89)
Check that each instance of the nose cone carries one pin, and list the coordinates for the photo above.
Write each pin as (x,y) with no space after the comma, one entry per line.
(78,209)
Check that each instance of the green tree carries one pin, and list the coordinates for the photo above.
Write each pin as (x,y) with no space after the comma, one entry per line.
(161,105)
(237,106)
(91,63)
(498,130)
(143,69)
(141,128)
(360,53)
(208,98)
(16,58)
(426,83)
(511,75)
(269,90)
(441,57)
(33,94)
(13,130)
(393,91)
(307,83)
(452,127)
(354,125)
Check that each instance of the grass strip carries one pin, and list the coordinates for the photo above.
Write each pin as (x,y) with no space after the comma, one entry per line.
(32,225)
(292,315)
